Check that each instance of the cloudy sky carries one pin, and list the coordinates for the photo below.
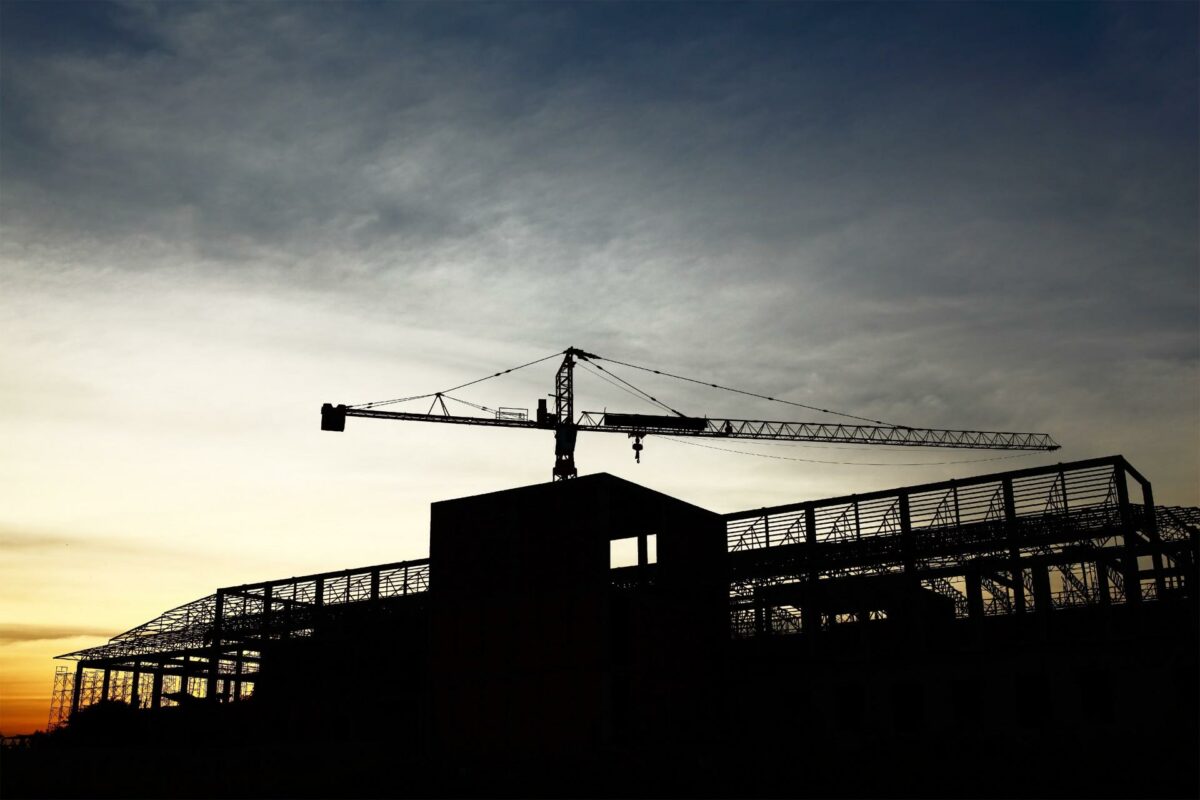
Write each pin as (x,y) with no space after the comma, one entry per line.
(216,217)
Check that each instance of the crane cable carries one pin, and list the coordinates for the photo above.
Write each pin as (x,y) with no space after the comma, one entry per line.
(847,463)
(455,388)
(604,377)
(647,395)
(852,449)
(636,392)
(777,400)
(756,394)
(469,403)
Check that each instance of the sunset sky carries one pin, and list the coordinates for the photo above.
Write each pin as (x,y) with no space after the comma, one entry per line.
(216,217)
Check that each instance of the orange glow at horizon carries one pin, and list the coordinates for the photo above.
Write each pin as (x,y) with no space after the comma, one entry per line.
(160,443)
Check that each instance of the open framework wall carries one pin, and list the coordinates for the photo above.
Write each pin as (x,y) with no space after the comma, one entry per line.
(213,648)
(1080,534)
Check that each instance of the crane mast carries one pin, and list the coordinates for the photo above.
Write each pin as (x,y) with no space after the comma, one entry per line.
(564,416)
(566,425)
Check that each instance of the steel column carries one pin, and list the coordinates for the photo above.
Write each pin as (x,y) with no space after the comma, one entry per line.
(1014,547)
(265,624)
(1129,565)
(974,593)
(78,688)
(809,621)
(157,687)
(214,653)
(1102,583)
(1042,600)
(1151,517)
(906,536)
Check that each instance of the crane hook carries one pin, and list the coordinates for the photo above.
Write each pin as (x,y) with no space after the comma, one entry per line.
(637,447)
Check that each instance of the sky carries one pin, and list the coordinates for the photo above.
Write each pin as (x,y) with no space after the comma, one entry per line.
(215,217)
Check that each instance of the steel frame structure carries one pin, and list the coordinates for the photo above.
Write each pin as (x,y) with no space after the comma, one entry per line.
(211,648)
(1009,544)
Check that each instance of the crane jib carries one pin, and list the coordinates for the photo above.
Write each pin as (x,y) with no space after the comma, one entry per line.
(654,421)
(562,420)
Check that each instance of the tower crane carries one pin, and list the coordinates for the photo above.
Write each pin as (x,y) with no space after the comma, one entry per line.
(566,426)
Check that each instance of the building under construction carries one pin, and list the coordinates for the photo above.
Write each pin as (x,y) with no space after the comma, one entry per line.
(1021,631)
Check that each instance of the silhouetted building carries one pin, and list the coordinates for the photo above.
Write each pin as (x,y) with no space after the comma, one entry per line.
(1001,634)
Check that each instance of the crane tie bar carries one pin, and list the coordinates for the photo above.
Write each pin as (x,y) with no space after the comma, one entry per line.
(755,394)
(455,388)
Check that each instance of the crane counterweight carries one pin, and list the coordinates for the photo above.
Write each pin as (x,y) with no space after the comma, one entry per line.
(333,418)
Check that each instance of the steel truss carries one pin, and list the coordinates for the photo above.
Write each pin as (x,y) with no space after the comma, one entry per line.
(724,428)
(1030,540)
(211,648)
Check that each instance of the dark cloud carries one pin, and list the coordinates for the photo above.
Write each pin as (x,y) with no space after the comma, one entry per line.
(943,214)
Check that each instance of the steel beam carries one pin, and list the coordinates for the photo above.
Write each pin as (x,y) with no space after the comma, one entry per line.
(1133,585)
(77,690)
(157,688)
(1014,545)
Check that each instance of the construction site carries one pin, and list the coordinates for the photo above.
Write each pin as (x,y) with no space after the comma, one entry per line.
(1032,631)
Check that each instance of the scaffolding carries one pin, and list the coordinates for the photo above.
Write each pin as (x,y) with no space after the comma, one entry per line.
(60,696)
